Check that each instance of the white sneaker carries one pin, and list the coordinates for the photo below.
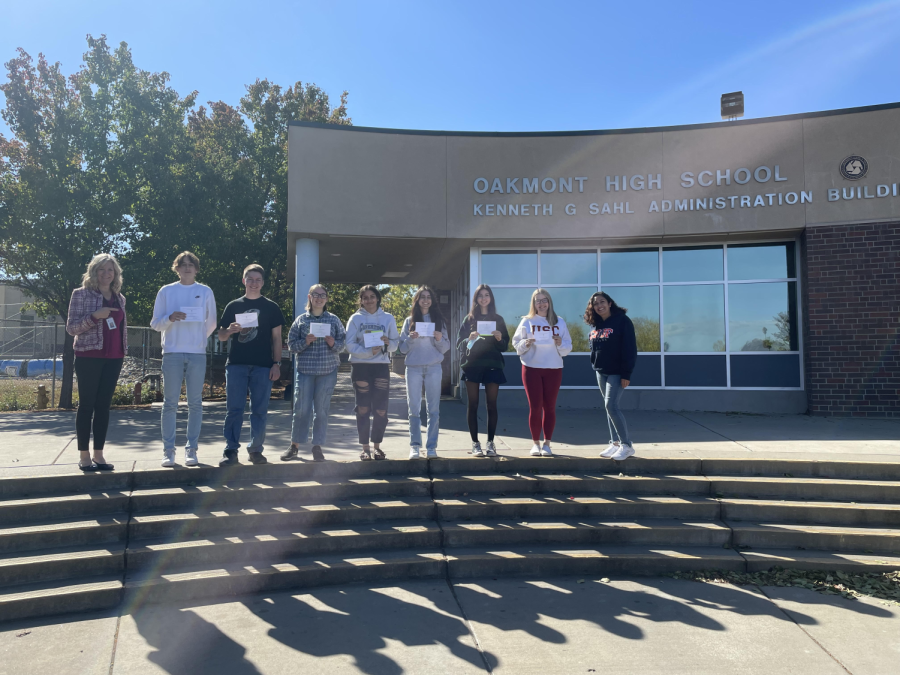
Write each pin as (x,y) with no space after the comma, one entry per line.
(625,451)
(190,457)
(545,451)
(431,453)
(611,450)
(491,449)
(535,450)
(414,452)
(168,458)
(476,450)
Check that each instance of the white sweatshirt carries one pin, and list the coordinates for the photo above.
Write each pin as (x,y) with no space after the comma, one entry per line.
(541,354)
(362,322)
(184,337)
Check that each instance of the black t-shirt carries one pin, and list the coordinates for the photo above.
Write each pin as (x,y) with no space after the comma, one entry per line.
(252,346)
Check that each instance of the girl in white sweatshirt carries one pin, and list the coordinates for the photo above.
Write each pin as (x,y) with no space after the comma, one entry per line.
(541,341)
(370,367)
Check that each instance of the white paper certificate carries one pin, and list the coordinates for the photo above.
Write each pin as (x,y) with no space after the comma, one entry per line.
(193,313)
(486,327)
(542,336)
(425,329)
(320,329)
(247,319)
(373,339)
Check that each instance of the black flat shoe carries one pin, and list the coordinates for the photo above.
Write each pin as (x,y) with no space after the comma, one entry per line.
(88,467)
(317,454)
(103,467)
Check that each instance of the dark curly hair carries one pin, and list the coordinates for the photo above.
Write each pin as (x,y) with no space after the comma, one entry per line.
(591,318)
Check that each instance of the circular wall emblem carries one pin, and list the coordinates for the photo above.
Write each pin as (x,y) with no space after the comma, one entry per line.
(854,167)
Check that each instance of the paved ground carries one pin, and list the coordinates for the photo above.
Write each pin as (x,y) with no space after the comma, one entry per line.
(510,626)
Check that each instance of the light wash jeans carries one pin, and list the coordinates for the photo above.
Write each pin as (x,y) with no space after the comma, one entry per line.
(239,379)
(190,369)
(312,395)
(611,389)
(430,378)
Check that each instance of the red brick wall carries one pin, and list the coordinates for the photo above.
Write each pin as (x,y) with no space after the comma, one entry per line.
(851,293)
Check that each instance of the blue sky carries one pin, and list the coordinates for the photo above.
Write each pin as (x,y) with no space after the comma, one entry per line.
(499,66)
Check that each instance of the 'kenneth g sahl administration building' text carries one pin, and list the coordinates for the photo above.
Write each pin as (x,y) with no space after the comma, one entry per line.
(758,259)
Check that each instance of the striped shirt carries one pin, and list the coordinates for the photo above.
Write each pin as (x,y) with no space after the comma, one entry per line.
(317,358)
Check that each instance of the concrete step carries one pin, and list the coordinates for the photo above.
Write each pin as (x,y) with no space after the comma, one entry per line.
(452,485)
(475,507)
(306,572)
(542,561)
(656,532)
(765,559)
(45,599)
(829,489)
(821,537)
(60,506)
(181,525)
(268,492)
(641,466)
(63,480)
(801,468)
(62,563)
(273,547)
(830,513)
(108,529)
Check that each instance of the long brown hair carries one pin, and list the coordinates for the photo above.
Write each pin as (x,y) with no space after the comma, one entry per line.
(368,287)
(552,319)
(476,308)
(591,318)
(415,312)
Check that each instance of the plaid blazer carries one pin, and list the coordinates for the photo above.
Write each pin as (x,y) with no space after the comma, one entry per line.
(87,330)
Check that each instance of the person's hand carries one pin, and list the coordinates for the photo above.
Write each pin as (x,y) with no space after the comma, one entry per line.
(473,335)
(231,330)
(275,372)
(385,339)
(529,342)
(414,334)
(376,350)
(438,336)
(103,313)
(557,339)
(625,384)
(329,340)
(310,338)
(498,335)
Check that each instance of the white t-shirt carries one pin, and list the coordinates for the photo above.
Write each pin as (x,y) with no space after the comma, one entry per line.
(184,337)
(541,354)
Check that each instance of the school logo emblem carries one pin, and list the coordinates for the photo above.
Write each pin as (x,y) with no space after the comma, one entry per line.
(854,167)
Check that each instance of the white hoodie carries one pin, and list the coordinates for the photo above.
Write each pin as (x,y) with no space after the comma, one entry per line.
(362,322)
(541,354)
(184,337)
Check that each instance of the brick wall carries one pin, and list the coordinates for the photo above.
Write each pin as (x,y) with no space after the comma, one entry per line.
(851,294)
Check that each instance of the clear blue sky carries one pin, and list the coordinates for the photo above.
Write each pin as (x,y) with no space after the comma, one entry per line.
(499,66)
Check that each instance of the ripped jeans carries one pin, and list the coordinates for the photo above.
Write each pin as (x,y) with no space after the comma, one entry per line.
(370,384)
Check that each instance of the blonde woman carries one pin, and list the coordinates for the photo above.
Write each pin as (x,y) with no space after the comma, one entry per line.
(541,341)
(97,321)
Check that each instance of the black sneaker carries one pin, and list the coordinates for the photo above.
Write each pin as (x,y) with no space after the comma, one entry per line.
(317,453)
(257,458)
(290,454)
(229,458)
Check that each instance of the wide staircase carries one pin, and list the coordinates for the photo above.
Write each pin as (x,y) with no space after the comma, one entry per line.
(83,542)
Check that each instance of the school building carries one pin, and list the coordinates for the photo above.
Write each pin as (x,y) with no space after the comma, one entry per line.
(758,259)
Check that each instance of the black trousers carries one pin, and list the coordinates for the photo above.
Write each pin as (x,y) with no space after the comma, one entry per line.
(370,384)
(96,385)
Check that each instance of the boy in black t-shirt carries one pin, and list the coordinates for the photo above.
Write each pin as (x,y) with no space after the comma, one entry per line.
(253,325)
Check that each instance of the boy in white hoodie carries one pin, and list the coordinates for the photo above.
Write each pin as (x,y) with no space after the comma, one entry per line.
(371,366)
(541,340)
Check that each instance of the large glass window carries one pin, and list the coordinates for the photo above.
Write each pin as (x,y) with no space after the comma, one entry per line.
(570,303)
(629,267)
(512,305)
(693,264)
(762,317)
(509,267)
(769,261)
(694,318)
(568,267)
(642,303)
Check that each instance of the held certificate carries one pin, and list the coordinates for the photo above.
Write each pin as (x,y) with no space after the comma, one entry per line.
(373,339)
(193,313)
(247,319)
(542,337)
(425,329)
(320,330)
(486,327)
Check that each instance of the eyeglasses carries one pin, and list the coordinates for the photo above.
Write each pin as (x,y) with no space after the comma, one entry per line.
(318,296)
(542,301)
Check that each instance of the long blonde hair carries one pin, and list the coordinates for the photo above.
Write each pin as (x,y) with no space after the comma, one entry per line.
(89,280)
(552,319)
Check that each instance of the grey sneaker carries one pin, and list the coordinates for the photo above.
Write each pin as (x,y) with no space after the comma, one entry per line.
(431,453)
(168,458)
(190,457)
(476,450)
(491,449)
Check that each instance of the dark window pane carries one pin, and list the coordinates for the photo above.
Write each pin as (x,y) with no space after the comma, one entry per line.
(762,317)
(768,261)
(629,267)
(692,264)
(696,371)
(512,305)
(568,267)
(642,303)
(694,318)
(513,267)
(777,370)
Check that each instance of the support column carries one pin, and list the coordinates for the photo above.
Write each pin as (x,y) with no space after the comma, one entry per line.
(306,271)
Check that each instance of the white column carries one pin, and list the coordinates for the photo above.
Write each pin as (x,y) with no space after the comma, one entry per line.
(307,271)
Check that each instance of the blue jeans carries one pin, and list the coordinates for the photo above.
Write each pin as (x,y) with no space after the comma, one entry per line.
(430,378)
(190,369)
(238,379)
(611,389)
(312,393)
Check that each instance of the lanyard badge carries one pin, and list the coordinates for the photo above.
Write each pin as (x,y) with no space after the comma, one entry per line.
(110,323)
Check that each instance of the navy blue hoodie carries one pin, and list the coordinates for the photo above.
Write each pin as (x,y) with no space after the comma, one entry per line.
(613,346)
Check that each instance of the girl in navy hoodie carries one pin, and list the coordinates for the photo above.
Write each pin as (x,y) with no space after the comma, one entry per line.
(613,356)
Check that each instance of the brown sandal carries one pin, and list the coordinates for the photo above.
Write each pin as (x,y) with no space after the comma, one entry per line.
(365,455)
(379,454)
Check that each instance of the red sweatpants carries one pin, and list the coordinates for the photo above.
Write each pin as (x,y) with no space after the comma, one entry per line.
(541,388)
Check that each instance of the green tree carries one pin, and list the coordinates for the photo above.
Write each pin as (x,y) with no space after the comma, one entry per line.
(396,300)
(646,333)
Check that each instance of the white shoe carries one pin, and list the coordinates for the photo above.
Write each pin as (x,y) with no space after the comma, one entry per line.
(431,453)
(625,451)
(535,450)
(190,457)
(545,451)
(414,452)
(476,450)
(611,450)
(491,449)
(168,458)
